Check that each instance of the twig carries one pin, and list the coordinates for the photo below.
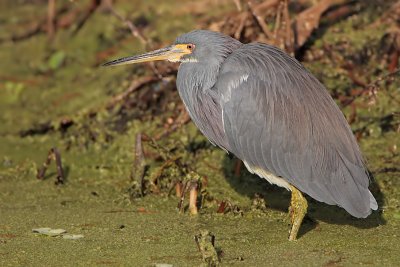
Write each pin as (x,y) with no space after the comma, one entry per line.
(278,20)
(266,5)
(221,207)
(135,85)
(136,33)
(178,188)
(242,21)
(289,41)
(166,164)
(370,88)
(53,154)
(139,166)
(193,197)
(349,66)
(383,78)
(91,9)
(42,25)
(184,118)
(283,31)
(341,12)
(35,29)
(51,11)
(180,203)
(238,5)
(308,20)
(134,30)
(60,172)
(260,20)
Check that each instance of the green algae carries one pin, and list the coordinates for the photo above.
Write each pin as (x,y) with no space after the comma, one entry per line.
(43,84)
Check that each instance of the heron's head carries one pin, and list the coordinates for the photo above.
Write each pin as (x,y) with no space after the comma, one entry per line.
(195,46)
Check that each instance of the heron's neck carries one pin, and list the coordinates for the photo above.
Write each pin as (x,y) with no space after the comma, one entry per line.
(195,83)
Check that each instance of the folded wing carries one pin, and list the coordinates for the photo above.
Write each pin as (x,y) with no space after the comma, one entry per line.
(279,117)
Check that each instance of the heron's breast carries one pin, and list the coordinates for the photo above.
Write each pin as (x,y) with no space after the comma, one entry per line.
(195,88)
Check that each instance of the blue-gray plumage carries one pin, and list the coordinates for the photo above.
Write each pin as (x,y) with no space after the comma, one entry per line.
(266,108)
(262,105)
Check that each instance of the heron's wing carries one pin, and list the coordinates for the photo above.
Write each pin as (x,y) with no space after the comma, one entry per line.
(278,117)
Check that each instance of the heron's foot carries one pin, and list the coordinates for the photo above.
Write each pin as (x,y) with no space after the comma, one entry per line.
(297,211)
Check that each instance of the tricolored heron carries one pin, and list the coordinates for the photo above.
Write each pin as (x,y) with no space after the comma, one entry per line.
(263,106)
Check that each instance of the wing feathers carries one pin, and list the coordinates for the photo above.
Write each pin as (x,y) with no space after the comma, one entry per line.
(281,119)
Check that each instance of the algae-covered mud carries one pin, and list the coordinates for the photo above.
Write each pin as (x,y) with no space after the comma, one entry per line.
(54,94)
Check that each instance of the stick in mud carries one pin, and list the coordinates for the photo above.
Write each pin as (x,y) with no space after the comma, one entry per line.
(194,185)
(180,204)
(139,166)
(53,154)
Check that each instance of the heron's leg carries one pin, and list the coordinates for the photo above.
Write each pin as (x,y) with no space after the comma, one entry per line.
(297,210)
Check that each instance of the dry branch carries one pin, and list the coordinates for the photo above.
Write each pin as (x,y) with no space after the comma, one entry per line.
(182,120)
(139,166)
(264,6)
(135,85)
(243,17)
(307,21)
(51,12)
(283,34)
(56,19)
(134,30)
(87,14)
(52,155)
(260,19)
(136,33)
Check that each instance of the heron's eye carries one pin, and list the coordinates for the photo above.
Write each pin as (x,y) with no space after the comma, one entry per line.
(190,47)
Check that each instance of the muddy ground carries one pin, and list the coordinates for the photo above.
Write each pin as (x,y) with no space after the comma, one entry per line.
(54,94)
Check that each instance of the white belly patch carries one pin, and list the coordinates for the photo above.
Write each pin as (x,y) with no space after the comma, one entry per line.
(271,178)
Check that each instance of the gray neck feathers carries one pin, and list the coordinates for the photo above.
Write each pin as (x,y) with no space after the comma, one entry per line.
(195,83)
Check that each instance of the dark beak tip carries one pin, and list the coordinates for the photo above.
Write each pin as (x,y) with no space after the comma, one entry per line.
(107,64)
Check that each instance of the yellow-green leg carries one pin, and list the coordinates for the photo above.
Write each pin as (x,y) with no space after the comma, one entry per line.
(297,211)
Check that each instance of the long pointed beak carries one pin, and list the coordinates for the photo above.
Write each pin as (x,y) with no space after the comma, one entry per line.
(171,53)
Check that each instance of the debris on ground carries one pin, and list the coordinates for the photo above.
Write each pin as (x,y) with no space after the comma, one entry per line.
(206,244)
(56,233)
